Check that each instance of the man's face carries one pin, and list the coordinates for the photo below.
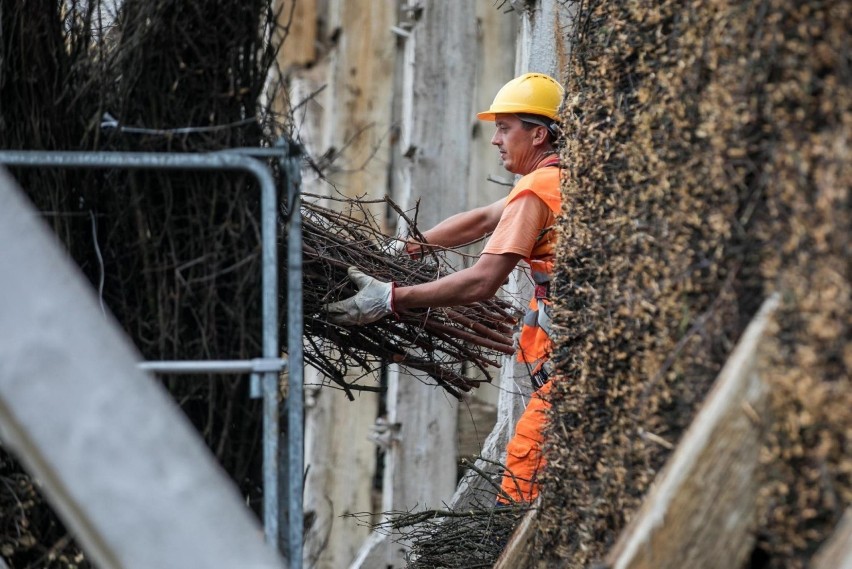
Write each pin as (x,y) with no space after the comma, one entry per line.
(515,144)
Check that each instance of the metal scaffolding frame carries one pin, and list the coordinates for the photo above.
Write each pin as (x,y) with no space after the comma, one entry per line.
(264,371)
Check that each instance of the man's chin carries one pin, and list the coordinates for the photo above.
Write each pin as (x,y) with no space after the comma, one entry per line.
(509,167)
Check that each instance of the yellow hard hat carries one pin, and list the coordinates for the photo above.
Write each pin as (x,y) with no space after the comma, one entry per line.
(533,93)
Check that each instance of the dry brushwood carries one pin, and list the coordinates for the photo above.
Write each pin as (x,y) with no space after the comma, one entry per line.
(709,168)
(452,538)
(434,342)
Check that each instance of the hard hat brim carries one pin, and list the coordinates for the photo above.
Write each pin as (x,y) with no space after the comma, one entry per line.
(491,114)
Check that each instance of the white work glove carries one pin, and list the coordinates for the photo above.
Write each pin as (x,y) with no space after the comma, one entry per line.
(373,301)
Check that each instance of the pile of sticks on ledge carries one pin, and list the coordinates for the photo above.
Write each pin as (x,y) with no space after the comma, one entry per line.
(433,342)
(455,536)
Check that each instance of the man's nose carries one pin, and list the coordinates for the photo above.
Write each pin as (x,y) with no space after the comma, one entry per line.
(494,140)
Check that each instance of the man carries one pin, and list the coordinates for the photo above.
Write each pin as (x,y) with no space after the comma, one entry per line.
(525,111)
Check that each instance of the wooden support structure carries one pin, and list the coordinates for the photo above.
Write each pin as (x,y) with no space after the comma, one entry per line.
(114,455)
(836,552)
(701,511)
(338,63)
(429,161)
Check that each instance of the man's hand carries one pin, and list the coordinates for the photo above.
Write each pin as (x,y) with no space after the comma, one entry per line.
(393,246)
(414,248)
(373,301)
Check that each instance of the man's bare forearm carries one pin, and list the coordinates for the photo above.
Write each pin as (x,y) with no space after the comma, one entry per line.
(465,227)
(479,282)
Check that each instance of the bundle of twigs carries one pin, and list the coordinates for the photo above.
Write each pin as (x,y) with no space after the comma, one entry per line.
(455,537)
(460,539)
(435,342)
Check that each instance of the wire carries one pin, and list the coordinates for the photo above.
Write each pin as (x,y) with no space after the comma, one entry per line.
(108,121)
(100,262)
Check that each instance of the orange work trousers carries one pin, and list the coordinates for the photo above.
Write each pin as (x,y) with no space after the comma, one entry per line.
(524,458)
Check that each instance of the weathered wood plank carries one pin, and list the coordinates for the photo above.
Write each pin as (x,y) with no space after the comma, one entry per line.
(702,509)
(700,512)
(495,65)
(435,145)
(113,453)
(350,119)
(429,161)
(297,22)
(836,553)
(517,550)
(544,45)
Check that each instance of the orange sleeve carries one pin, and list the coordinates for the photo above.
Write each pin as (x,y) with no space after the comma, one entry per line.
(520,225)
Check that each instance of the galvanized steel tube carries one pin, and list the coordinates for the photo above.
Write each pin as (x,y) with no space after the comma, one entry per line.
(295,395)
(257,365)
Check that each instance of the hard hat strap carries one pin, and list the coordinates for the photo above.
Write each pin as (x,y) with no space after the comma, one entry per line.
(539,120)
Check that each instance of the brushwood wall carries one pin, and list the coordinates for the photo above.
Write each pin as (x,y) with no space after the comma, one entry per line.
(707,147)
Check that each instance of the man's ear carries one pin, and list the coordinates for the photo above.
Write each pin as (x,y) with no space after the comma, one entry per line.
(540,135)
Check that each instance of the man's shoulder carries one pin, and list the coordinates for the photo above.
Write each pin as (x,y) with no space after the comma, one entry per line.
(545,173)
(542,183)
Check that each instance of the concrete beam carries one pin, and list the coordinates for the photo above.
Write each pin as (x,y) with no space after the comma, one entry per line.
(112,452)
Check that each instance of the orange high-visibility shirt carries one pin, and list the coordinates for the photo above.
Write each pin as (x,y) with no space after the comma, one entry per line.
(525,229)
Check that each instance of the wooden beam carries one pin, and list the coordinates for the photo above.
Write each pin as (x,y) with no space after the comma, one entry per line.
(836,552)
(350,117)
(701,510)
(297,27)
(113,453)
(517,550)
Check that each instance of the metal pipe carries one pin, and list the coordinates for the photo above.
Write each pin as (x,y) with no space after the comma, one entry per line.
(274,152)
(257,365)
(289,157)
(269,222)
(141,161)
(295,396)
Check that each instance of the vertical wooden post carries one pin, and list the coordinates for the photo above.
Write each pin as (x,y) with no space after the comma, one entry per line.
(836,552)
(342,52)
(432,163)
(495,64)
(540,46)
(435,140)
(701,510)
